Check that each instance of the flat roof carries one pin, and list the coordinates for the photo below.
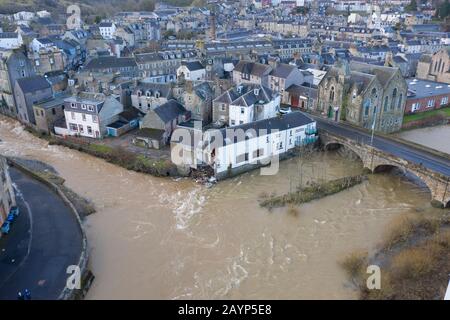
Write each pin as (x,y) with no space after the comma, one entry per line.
(418,88)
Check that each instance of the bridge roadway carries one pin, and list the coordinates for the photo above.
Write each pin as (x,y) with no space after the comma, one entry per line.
(431,161)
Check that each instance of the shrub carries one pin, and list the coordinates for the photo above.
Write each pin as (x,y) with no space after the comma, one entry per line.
(354,264)
(412,263)
(404,227)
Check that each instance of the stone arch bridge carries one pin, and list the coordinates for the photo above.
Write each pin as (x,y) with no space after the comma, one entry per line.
(374,159)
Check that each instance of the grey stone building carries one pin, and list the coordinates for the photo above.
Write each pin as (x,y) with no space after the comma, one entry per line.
(364,94)
(29,91)
(13,65)
(165,118)
(7,197)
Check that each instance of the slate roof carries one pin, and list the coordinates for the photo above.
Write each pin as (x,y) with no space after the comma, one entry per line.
(383,73)
(283,70)
(8,35)
(284,122)
(246,96)
(32,84)
(253,68)
(170,110)
(193,65)
(107,62)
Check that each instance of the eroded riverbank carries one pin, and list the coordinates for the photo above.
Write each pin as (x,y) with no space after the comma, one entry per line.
(159,238)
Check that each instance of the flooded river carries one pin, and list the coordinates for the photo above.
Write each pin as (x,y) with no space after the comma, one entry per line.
(155,238)
(437,137)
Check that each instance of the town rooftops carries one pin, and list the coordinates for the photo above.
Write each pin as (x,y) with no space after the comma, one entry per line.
(107,62)
(418,88)
(32,84)
(105,25)
(253,68)
(263,127)
(170,110)
(283,70)
(8,35)
(193,65)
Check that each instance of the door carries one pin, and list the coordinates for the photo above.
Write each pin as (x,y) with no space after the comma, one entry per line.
(294,101)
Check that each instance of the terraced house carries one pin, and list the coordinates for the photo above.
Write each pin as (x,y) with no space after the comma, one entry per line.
(7,198)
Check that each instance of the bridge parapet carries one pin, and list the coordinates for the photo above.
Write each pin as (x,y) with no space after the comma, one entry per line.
(374,159)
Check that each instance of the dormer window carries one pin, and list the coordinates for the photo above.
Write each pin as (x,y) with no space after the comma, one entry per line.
(139,93)
(157,94)
(148,93)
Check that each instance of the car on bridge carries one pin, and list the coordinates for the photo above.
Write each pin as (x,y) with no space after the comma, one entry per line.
(6,226)
(14,210)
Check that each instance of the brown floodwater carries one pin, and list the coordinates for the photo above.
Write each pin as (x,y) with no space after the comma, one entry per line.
(437,137)
(155,238)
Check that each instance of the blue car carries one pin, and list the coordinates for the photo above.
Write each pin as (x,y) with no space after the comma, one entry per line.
(11,217)
(6,226)
(14,210)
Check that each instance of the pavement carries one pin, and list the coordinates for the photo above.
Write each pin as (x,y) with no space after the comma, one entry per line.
(407,152)
(43,241)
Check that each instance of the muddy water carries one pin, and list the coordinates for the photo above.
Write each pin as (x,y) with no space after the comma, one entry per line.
(434,137)
(167,239)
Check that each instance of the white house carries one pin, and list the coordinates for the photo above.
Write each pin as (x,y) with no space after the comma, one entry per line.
(41,43)
(254,103)
(88,114)
(237,149)
(107,29)
(10,40)
(193,71)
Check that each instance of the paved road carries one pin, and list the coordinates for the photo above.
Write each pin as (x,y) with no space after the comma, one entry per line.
(404,151)
(43,241)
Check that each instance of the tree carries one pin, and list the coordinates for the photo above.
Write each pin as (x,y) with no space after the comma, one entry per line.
(412,6)
(443,10)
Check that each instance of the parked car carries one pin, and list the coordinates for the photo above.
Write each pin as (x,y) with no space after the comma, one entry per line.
(6,226)
(11,217)
(14,210)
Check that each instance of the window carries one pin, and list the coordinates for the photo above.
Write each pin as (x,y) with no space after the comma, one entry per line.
(386,102)
(223,107)
(415,106)
(233,122)
(73,105)
(394,97)
(94,119)
(444,101)
(258,153)
(53,111)
(83,116)
(89,130)
(72,115)
(332,94)
(83,106)
(242,110)
(73,127)
(90,108)
(81,128)
(399,104)
(430,103)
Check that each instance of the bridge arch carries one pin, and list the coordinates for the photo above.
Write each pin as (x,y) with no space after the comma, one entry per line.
(336,145)
(386,167)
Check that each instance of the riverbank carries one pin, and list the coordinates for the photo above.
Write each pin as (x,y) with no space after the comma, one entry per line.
(414,258)
(48,174)
(39,249)
(312,192)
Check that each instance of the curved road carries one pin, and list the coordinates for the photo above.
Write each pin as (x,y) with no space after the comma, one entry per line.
(428,160)
(43,241)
